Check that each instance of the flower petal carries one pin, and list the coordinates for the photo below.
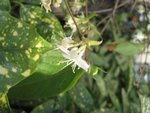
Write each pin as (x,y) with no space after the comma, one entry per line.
(82,64)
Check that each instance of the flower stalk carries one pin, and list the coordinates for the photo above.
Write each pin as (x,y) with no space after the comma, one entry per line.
(71,14)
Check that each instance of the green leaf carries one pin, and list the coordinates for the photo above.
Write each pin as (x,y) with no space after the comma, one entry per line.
(145,103)
(39,85)
(47,24)
(101,86)
(83,98)
(5,5)
(96,59)
(50,62)
(47,107)
(20,49)
(129,48)
(33,2)
(125,101)
(4,105)
(115,101)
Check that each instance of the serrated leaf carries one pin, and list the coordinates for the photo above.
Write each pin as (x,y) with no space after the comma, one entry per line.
(39,85)
(129,48)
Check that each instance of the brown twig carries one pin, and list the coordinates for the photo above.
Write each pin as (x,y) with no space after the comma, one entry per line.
(115,8)
(109,9)
(133,6)
(103,20)
(71,14)
(110,18)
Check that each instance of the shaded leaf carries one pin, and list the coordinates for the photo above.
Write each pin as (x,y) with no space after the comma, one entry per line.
(83,98)
(115,101)
(5,5)
(47,107)
(39,85)
(126,104)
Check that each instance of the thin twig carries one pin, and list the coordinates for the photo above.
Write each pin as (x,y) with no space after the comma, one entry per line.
(115,8)
(109,9)
(110,18)
(71,14)
(103,20)
(133,6)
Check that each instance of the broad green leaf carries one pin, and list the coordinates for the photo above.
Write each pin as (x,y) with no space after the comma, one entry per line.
(129,48)
(5,5)
(46,23)
(20,50)
(39,85)
(83,98)
(50,62)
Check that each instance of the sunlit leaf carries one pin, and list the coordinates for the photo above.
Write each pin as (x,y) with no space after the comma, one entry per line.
(20,49)
(129,49)
(47,24)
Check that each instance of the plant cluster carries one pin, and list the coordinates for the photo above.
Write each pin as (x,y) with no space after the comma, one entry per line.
(74,56)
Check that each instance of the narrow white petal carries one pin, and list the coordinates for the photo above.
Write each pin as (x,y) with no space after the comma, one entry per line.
(82,64)
(63,49)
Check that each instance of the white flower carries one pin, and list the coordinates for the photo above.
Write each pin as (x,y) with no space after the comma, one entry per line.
(73,54)
(70,23)
(68,42)
(139,36)
(57,3)
(81,22)
(46,4)
(148,28)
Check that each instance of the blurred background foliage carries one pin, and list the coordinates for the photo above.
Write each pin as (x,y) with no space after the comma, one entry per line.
(113,88)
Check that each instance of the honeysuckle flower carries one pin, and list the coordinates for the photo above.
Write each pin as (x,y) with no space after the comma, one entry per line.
(46,4)
(74,57)
(148,28)
(67,42)
(57,3)
(80,20)
(74,51)
(139,36)
(74,54)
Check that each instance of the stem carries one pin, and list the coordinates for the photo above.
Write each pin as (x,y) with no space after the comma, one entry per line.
(71,14)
